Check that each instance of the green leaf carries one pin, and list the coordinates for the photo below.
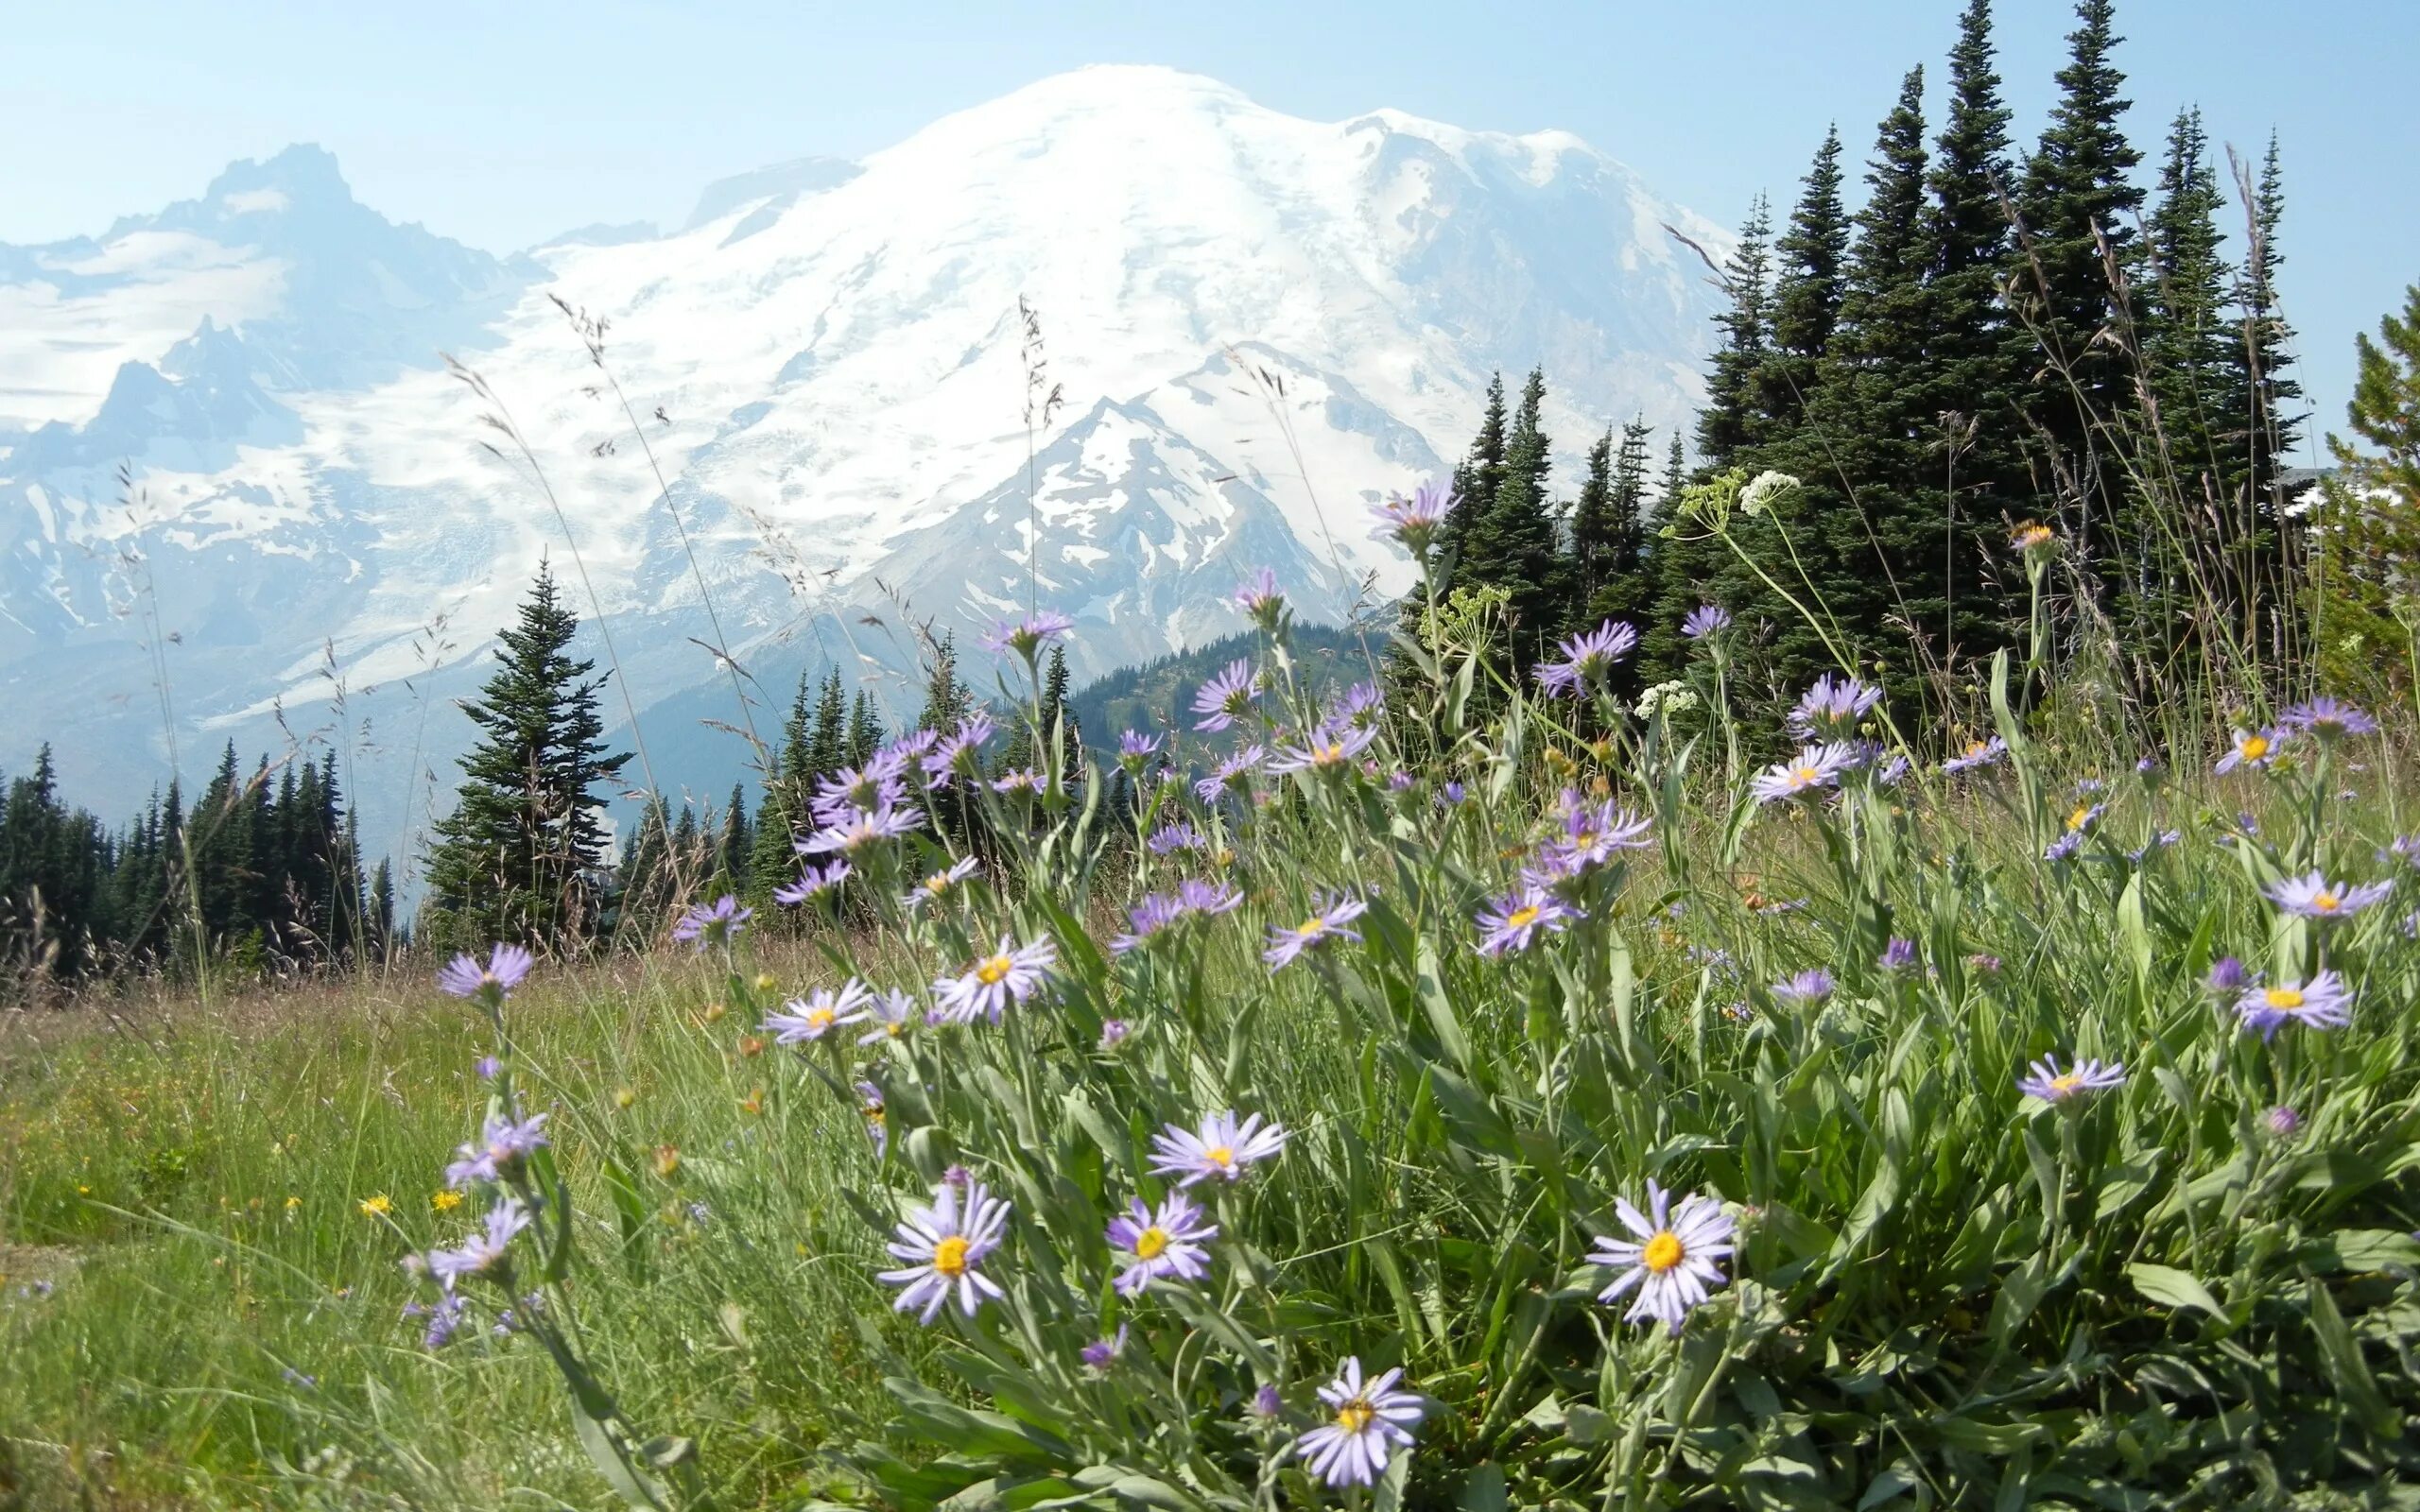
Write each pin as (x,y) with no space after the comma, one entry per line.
(2363,1249)
(2170,1287)
(2341,1354)
(967,1431)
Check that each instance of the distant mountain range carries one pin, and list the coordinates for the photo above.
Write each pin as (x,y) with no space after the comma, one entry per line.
(242,498)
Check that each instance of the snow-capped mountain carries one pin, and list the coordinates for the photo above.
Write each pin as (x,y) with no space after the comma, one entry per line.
(1259,326)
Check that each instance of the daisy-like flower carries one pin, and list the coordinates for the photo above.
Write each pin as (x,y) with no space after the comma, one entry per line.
(1026,636)
(713,923)
(1589,835)
(900,751)
(2031,537)
(497,1154)
(484,1252)
(994,983)
(1588,658)
(887,1016)
(1978,754)
(875,785)
(2252,748)
(1332,913)
(1357,705)
(876,1112)
(1136,750)
(2283,1122)
(2312,896)
(812,882)
(821,1012)
(1898,955)
(943,1244)
(1113,1033)
(1832,707)
(1171,838)
(2064,848)
(2322,1002)
(1155,914)
(2328,718)
(1814,768)
(1514,923)
(1221,1148)
(1166,1243)
(1229,773)
(1416,520)
(1213,898)
(2054,1086)
(1805,989)
(860,829)
(1671,1255)
(1097,1354)
(1020,779)
(1371,1421)
(2160,841)
(464,977)
(1704,620)
(1329,750)
(1258,597)
(941,883)
(958,754)
(1226,697)
(2227,977)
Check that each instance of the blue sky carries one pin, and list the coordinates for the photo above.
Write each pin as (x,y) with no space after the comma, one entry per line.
(501,124)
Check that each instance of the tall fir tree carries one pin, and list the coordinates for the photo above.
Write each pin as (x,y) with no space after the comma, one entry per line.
(1622,591)
(1809,273)
(1592,526)
(783,813)
(1476,480)
(2187,335)
(513,860)
(1516,545)
(1732,420)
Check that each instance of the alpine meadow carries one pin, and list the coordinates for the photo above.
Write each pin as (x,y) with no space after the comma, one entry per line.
(1151,805)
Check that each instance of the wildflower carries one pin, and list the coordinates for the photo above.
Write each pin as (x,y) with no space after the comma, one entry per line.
(943,1244)
(988,988)
(2283,1122)
(1452,795)
(487,1067)
(1704,620)
(1978,754)
(1805,989)
(1134,748)
(1024,636)
(1588,658)
(1513,921)
(1399,781)
(899,750)
(1171,838)
(1113,1033)
(1230,772)
(1265,1402)
(377,1205)
(713,923)
(1372,1421)
(1258,597)
(1327,749)
(2227,977)
(2313,896)
(1415,521)
(877,1116)
(1988,965)
(812,882)
(497,1154)
(296,1378)
(667,1160)
(1156,913)
(1221,1147)
(1226,697)
(1591,834)
(1330,915)
(2252,749)
(956,1176)
(2146,766)
(1213,898)
(2054,1086)
(821,1013)
(937,886)
(957,754)
(464,977)
(1833,707)
(875,785)
(2321,1003)
(857,829)
(1020,779)
(2029,538)
(1358,705)
(2161,841)
(1671,1255)
(444,1321)
(1097,1354)
(2328,718)
(1812,769)
(888,1013)
(2064,846)
(1766,490)
(483,1251)
(1899,956)
(1165,1243)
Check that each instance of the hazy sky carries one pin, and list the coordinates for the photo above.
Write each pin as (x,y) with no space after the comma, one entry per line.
(501,124)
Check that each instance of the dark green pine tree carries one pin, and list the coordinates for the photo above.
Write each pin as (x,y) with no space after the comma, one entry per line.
(1476,481)
(2262,400)
(381,922)
(1622,591)
(783,814)
(946,699)
(731,849)
(828,751)
(1670,570)
(219,833)
(2078,204)
(865,730)
(1592,529)
(1811,271)
(515,858)
(2187,340)
(1516,545)
(645,879)
(1733,417)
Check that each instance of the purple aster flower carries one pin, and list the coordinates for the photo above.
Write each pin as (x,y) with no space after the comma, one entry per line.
(1371,1421)
(1358,705)
(900,751)
(1893,770)
(812,882)
(464,977)
(1978,754)
(2322,1002)
(1899,956)
(943,1244)
(1399,781)
(1805,989)
(1226,697)
(2252,749)
(497,1154)
(938,885)
(2227,977)
(875,786)
(887,1016)
(1988,965)
(1588,837)
(1588,659)
(1221,1148)
(487,1067)
(1814,768)
(1020,779)
(1328,750)
(1229,773)
(444,1321)
(2054,1086)
(1136,748)
(713,923)
(2161,841)
(1146,920)
(1024,636)
(2146,766)
(1832,707)
(484,1252)
(810,1019)
(860,829)
(2328,718)
(1452,795)
(2064,846)
(1259,599)
(960,755)
(1415,521)
(1166,1243)
(1265,1402)
(1514,921)
(1213,898)
(1704,620)
(1171,838)
(1332,913)
(1671,1257)
(2312,896)
(1113,1033)
(2283,1121)
(994,983)
(1097,1354)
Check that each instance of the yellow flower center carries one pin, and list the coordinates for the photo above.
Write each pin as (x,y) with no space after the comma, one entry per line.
(1223,1157)
(1152,1243)
(991,972)
(2064,1084)
(2253,748)
(2285,999)
(445,1201)
(1311,928)
(1522,918)
(1975,747)
(2327,902)
(1355,1415)
(937,883)
(2077,819)
(1663,1252)
(1805,776)
(949,1257)
(820,1018)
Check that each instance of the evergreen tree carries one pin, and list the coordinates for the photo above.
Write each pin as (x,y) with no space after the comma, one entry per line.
(946,700)
(783,814)
(865,730)
(382,912)
(2187,342)
(512,860)
(2260,399)
(1476,481)
(1592,527)
(731,851)
(1624,592)
(1516,544)
(1808,281)
(1732,420)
